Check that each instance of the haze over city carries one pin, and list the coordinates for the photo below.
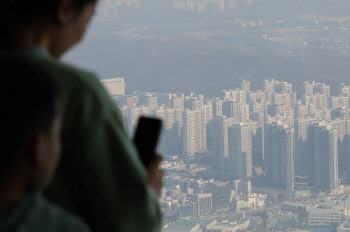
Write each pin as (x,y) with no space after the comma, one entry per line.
(255,100)
(168,49)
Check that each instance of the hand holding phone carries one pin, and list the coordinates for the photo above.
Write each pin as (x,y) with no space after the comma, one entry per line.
(155,175)
(146,138)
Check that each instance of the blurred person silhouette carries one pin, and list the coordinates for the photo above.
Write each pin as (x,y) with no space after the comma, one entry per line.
(100,176)
(30,150)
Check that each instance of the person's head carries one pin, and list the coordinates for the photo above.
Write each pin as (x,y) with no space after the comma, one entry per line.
(56,24)
(30,123)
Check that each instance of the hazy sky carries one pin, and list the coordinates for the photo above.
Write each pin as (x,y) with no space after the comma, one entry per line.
(157,47)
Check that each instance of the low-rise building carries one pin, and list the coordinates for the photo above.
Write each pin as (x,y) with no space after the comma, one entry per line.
(324,216)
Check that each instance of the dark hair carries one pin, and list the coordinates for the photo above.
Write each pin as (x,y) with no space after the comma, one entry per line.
(27,11)
(28,104)
(15,13)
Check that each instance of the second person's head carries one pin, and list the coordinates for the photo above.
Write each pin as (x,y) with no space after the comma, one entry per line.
(56,25)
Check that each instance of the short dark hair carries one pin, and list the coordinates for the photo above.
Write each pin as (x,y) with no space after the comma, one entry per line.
(27,11)
(29,103)
(24,13)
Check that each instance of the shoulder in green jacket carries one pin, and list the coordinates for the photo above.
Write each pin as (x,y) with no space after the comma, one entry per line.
(35,214)
(100,176)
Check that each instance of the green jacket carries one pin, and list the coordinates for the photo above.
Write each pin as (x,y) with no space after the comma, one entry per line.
(100,176)
(35,214)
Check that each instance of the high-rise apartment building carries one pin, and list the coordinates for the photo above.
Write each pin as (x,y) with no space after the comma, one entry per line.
(344,89)
(241,186)
(237,95)
(133,114)
(194,132)
(218,142)
(258,107)
(240,151)
(340,113)
(217,107)
(308,88)
(194,104)
(288,99)
(167,115)
(178,104)
(339,101)
(279,155)
(257,129)
(340,125)
(207,111)
(245,86)
(302,110)
(204,204)
(325,149)
(313,88)
(322,89)
(301,129)
(273,87)
(256,96)
(319,101)
(283,87)
(269,88)
(239,112)
(114,86)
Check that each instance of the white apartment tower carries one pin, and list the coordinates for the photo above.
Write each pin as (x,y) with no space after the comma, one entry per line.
(204,204)
(194,132)
(245,85)
(239,112)
(114,86)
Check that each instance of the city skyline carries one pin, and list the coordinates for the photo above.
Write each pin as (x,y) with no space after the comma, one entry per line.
(269,138)
(256,120)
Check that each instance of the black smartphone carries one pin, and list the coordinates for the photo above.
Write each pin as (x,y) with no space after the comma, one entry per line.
(146,138)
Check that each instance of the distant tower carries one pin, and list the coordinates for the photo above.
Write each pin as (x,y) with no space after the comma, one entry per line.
(169,206)
(302,51)
(279,151)
(114,86)
(240,151)
(238,112)
(283,157)
(204,204)
(325,149)
(308,88)
(245,85)
(218,137)
(194,132)
(269,88)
